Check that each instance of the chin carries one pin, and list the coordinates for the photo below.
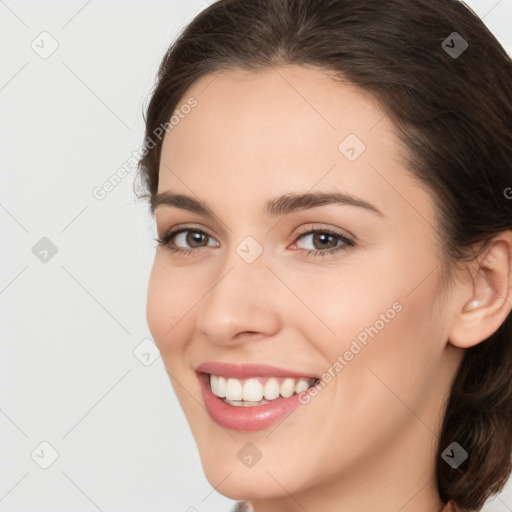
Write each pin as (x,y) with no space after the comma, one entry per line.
(244,485)
(265,480)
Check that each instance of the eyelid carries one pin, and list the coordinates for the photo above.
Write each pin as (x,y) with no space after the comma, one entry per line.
(183,227)
(318,226)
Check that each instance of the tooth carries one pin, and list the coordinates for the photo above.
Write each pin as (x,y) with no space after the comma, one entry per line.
(287,388)
(214,384)
(302,385)
(234,389)
(253,390)
(253,404)
(221,387)
(236,403)
(271,389)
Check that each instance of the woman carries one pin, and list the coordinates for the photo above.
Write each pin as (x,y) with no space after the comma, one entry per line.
(331,292)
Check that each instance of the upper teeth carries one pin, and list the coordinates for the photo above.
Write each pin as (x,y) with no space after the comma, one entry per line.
(255,389)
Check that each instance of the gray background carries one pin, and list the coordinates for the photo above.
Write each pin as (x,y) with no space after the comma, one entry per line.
(78,368)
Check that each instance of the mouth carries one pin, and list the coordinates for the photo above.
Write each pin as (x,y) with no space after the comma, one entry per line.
(251,397)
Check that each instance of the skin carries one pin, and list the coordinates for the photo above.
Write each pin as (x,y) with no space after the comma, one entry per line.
(367,441)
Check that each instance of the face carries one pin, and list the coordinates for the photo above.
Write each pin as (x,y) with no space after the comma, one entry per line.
(343,288)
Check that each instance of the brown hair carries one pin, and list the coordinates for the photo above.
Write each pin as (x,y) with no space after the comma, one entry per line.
(453,113)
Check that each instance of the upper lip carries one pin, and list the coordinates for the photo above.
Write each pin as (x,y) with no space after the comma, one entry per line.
(246,371)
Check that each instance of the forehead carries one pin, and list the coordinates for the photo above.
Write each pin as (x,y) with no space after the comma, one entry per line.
(278,107)
(259,134)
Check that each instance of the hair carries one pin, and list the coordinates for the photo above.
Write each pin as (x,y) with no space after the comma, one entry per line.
(453,115)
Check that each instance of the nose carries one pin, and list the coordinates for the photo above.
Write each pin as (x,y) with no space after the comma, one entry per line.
(242,304)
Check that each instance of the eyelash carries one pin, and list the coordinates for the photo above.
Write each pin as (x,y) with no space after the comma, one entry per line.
(347,242)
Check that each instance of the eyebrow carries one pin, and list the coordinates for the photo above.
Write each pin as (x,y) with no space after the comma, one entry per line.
(277,206)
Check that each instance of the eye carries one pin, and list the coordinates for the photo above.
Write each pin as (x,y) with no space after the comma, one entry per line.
(329,241)
(193,237)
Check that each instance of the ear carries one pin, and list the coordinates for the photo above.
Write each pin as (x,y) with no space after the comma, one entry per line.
(487,294)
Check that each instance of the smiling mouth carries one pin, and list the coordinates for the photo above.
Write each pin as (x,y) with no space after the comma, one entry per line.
(257,390)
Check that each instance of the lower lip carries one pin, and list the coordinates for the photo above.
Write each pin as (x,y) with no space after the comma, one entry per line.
(247,419)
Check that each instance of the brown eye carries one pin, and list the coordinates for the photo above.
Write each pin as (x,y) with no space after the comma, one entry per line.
(194,238)
(323,242)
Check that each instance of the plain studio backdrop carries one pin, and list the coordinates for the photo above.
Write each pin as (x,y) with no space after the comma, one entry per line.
(88,418)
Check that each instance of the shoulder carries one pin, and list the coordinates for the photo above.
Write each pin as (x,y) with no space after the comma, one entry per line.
(244,506)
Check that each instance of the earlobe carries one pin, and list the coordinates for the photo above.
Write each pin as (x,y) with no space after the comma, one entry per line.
(488,300)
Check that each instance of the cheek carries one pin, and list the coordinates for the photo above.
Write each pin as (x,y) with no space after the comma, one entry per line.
(391,344)
(334,304)
(170,296)
(169,310)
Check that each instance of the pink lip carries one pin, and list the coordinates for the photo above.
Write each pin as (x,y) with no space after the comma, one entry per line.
(247,419)
(246,371)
